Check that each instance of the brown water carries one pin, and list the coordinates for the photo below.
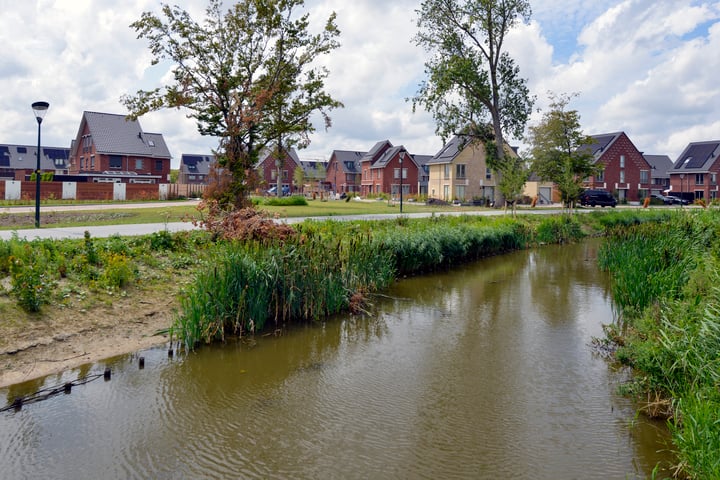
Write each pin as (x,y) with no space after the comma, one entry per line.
(484,372)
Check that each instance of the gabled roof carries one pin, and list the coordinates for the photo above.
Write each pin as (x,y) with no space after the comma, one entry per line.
(349,160)
(267,153)
(388,155)
(196,164)
(116,135)
(660,165)
(310,167)
(422,160)
(18,157)
(376,151)
(450,150)
(698,156)
(601,143)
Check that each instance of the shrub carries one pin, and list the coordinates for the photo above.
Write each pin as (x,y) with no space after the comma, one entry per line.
(118,271)
(31,284)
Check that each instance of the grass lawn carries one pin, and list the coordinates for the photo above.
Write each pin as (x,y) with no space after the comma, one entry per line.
(53,215)
(67,214)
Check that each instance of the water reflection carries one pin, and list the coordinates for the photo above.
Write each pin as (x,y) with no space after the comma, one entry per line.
(481,372)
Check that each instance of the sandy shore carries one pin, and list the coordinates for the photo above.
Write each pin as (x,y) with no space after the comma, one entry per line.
(68,339)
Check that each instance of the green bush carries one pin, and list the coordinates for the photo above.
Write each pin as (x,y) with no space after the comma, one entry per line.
(294,200)
(31,284)
(118,272)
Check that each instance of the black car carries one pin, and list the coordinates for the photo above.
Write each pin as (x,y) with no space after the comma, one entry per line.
(662,198)
(593,197)
(678,200)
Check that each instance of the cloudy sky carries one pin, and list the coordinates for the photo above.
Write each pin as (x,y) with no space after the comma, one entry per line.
(646,67)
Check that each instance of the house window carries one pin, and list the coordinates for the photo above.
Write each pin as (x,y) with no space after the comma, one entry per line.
(447,172)
(488,174)
(158,165)
(600,177)
(713,179)
(460,170)
(396,173)
(191,177)
(446,192)
(273,174)
(115,162)
(285,174)
(699,179)
(622,176)
(404,173)
(644,176)
(622,161)
(92,162)
(460,192)
(713,194)
(82,163)
(138,164)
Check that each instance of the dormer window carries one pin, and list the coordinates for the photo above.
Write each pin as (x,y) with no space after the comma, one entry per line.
(151,143)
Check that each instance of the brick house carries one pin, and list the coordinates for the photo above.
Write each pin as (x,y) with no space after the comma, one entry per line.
(111,148)
(695,173)
(270,167)
(18,162)
(659,177)
(382,168)
(194,169)
(625,172)
(344,172)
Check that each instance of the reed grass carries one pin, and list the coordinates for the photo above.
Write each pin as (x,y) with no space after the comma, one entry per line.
(665,282)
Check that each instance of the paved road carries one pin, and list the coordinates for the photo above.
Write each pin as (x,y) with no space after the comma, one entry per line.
(148,228)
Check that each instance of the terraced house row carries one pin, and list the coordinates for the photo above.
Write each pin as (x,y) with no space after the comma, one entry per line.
(109,148)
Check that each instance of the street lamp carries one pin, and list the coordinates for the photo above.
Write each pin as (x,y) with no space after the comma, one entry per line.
(402,156)
(39,109)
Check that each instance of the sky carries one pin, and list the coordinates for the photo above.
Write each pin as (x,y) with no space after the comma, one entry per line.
(645,67)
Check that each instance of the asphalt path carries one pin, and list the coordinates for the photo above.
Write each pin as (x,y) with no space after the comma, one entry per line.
(105,231)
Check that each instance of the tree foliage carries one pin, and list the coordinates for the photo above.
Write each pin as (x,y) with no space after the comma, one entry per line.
(471,81)
(560,150)
(514,174)
(247,74)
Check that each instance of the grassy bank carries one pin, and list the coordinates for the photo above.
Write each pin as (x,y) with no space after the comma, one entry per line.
(332,266)
(666,281)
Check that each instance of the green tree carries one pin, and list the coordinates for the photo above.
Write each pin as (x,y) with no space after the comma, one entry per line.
(248,75)
(560,150)
(471,81)
(514,174)
(299,178)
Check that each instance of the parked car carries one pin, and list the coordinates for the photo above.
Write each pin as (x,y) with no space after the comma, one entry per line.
(285,191)
(678,200)
(593,197)
(662,198)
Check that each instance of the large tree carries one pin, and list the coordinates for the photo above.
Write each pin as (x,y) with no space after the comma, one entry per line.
(560,150)
(247,74)
(471,81)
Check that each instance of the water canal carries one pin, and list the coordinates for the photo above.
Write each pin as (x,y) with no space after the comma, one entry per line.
(484,372)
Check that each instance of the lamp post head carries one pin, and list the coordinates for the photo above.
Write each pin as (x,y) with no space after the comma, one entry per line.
(40,109)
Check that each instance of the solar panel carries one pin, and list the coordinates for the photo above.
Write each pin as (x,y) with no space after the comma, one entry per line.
(697,155)
(4,161)
(56,153)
